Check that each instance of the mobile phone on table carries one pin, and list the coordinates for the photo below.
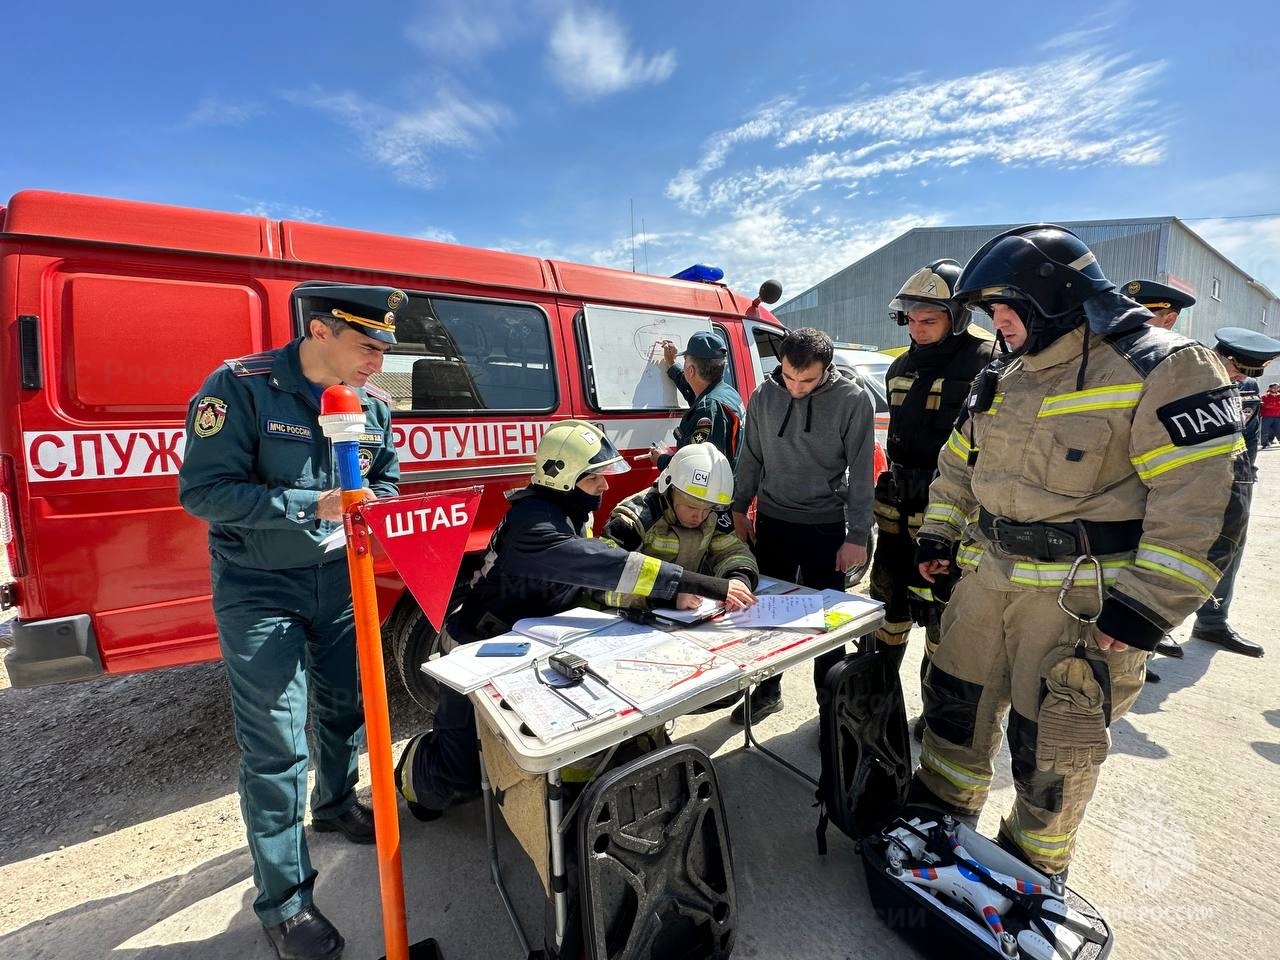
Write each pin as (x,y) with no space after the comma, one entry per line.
(503,649)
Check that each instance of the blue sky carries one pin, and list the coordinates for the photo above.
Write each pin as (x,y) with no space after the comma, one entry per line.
(772,141)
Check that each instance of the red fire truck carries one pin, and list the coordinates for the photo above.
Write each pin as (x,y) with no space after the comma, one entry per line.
(115,311)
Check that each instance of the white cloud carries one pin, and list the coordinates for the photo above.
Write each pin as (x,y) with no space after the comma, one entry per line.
(460,30)
(590,56)
(1074,111)
(1253,244)
(281,211)
(752,247)
(406,141)
(216,112)
(1094,27)
(438,234)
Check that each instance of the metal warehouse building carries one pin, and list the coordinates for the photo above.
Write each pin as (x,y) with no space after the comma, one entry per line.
(852,305)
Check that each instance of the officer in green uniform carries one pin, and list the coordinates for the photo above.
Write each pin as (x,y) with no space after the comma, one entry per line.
(715,411)
(258,468)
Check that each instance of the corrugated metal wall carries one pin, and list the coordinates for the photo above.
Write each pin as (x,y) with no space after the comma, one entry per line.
(853,304)
(1239,302)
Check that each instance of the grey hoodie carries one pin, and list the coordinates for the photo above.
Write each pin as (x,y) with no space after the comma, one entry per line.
(809,460)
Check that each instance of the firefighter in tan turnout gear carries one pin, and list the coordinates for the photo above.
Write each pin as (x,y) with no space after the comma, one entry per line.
(1099,448)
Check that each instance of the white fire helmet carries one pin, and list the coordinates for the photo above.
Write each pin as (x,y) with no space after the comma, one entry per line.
(700,471)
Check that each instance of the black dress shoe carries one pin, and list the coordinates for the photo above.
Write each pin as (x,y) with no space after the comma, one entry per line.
(356,823)
(1169,647)
(307,935)
(762,704)
(1228,639)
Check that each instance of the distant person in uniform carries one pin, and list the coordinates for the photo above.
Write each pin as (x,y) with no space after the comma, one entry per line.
(259,469)
(1166,303)
(1245,353)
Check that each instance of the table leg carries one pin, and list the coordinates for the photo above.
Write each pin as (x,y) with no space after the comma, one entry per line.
(559,881)
(749,740)
(495,871)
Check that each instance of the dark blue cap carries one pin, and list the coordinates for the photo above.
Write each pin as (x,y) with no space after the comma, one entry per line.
(1250,349)
(706,346)
(369,310)
(1157,296)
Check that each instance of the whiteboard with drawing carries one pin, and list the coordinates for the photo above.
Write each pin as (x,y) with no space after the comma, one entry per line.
(626,355)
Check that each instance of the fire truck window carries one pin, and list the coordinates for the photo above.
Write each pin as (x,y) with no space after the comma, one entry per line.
(729,376)
(768,346)
(469,355)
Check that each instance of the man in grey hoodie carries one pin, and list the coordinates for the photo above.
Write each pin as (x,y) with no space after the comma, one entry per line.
(807,457)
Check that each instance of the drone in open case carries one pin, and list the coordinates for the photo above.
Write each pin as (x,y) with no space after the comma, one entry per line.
(1022,917)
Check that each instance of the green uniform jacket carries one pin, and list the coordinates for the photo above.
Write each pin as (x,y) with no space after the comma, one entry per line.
(715,416)
(646,523)
(256,461)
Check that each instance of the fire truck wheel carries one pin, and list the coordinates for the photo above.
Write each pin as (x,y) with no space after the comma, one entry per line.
(412,640)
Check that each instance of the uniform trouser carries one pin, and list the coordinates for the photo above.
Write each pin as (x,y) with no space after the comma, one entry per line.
(892,573)
(801,553)
(1270,430)
(1014,651)
(1213,612)
(445,764)
(288,636)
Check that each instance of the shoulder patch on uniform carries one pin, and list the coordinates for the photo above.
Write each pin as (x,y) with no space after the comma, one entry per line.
(378,393)
(211,414)
(1203,416)
(1147,347)
(254,365)
(701,431)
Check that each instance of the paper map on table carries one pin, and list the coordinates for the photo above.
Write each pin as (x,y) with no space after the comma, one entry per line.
(795,611)
(745,647)
(654,670)
(550,711)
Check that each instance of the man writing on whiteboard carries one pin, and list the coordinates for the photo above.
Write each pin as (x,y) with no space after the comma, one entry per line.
(715,410)
(807,456)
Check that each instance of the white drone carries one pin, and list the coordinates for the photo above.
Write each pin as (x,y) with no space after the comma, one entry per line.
(980,898)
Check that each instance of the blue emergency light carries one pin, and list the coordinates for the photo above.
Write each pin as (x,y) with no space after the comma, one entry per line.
(700,273)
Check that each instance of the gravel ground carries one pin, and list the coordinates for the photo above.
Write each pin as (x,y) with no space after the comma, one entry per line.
(122,837)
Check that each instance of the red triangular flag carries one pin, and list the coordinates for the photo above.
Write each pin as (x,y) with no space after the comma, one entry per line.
(425,535)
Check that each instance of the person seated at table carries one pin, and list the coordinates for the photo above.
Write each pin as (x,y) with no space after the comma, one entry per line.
(540,561)
(675,520)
